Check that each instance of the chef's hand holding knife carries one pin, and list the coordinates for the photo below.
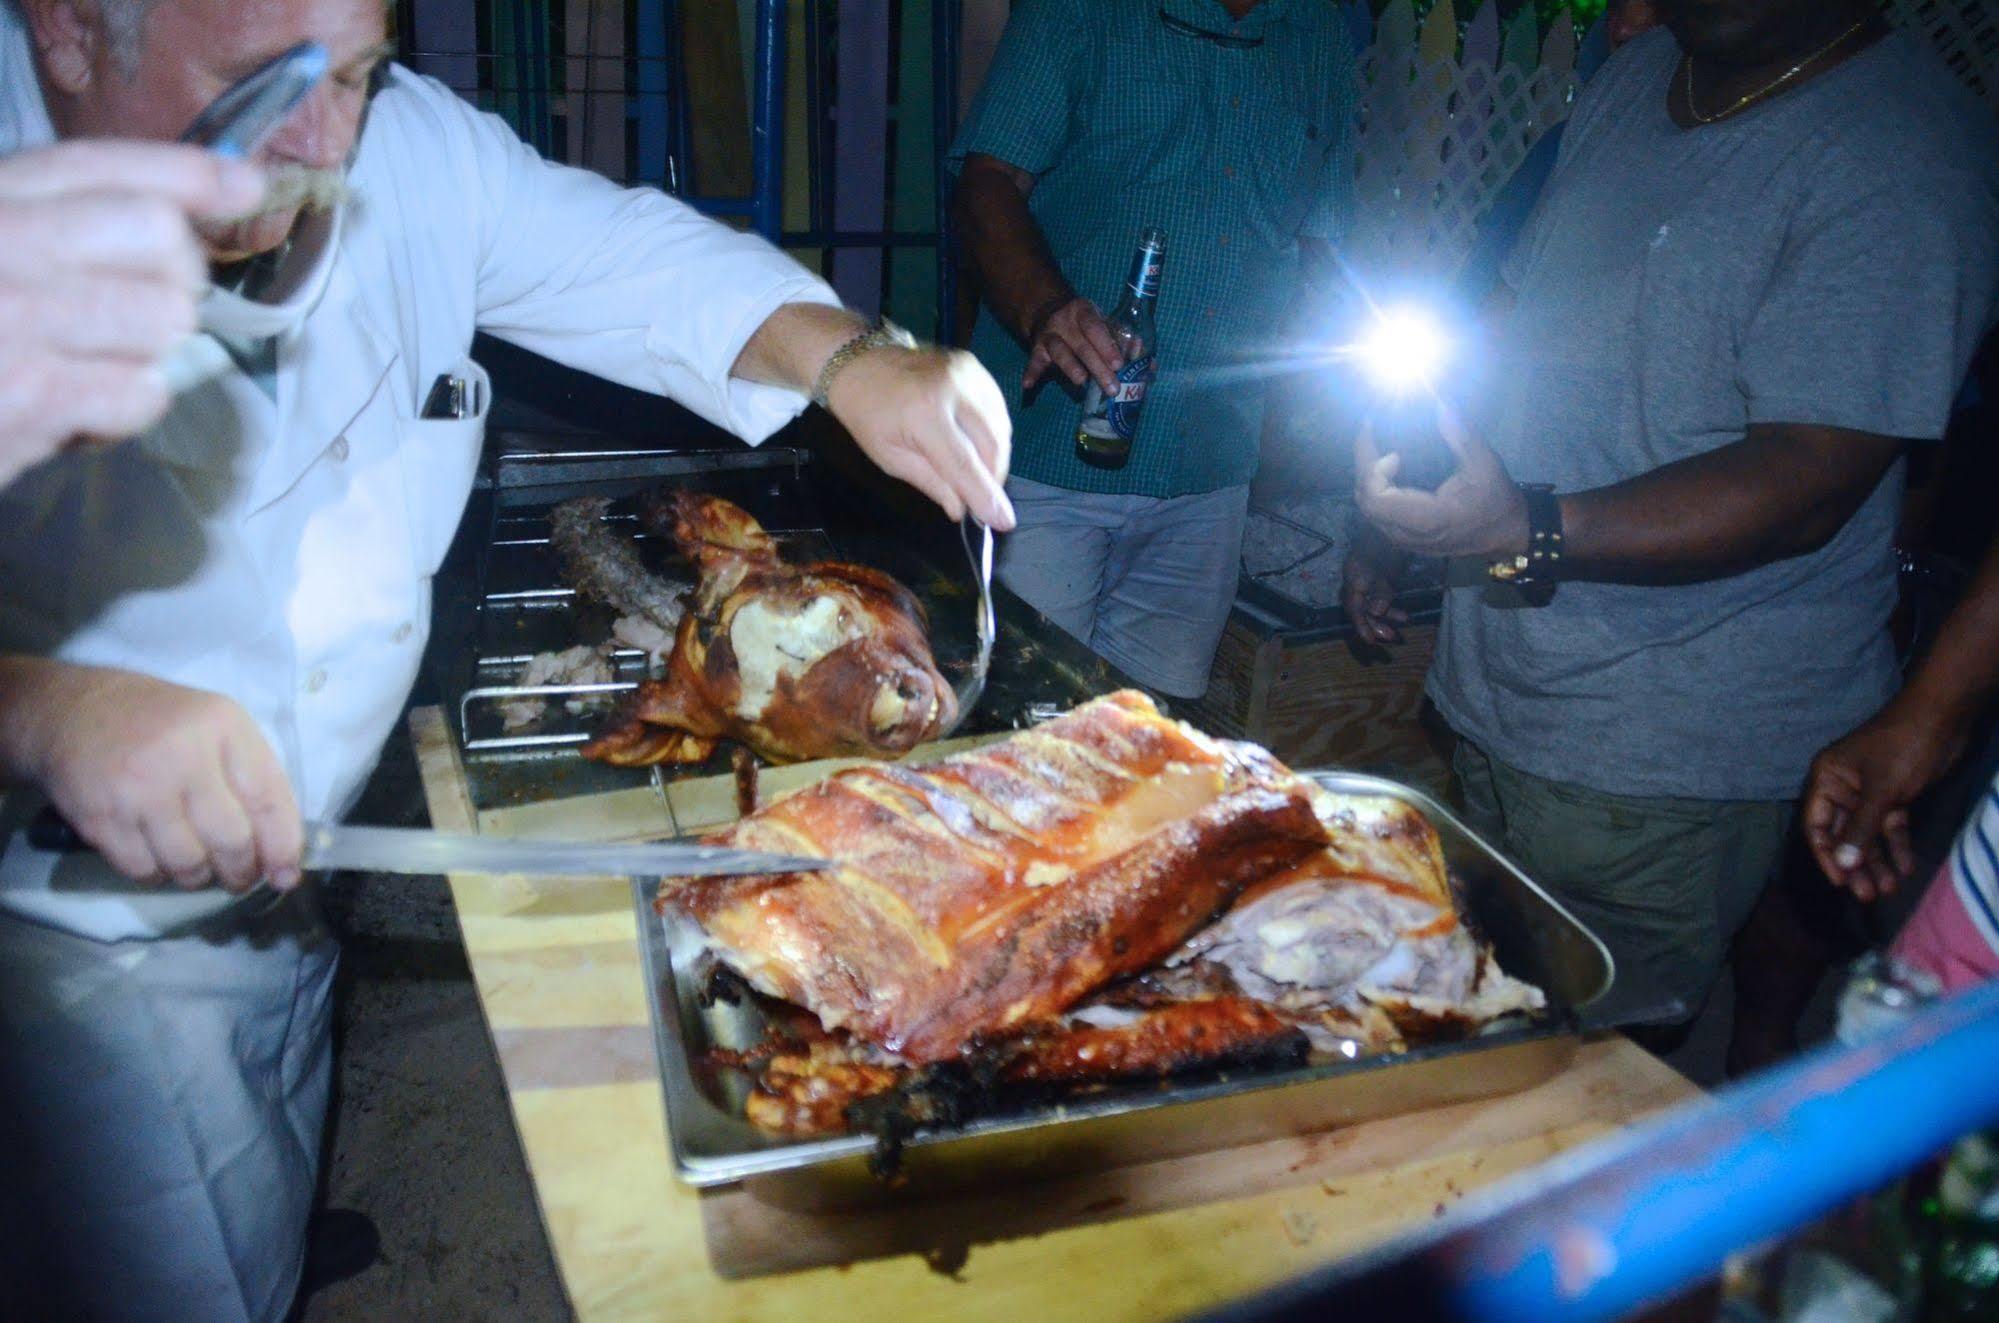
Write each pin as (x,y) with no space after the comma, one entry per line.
(99,276)
(932,417)
(167,783)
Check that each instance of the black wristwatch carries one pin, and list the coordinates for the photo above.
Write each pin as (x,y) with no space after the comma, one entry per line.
(1540,566)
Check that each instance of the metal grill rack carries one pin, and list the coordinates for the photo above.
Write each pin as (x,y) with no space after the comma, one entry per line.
(519,607)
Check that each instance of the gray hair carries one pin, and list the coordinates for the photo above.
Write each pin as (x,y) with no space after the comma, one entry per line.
(125,32)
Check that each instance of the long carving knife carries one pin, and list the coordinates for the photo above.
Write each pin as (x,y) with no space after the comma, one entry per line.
(417,851)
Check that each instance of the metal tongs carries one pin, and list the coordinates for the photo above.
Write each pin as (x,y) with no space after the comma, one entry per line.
(235,125)
(250,110)
(978,550)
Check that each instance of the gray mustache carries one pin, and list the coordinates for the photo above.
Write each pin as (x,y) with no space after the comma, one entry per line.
(297,185)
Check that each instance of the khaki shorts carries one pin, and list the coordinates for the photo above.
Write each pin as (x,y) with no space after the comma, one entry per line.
(1146,582)
(1664,882)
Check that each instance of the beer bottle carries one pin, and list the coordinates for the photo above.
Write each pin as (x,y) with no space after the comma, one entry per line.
(1110,423)
(1938,1229)
(1957,1234)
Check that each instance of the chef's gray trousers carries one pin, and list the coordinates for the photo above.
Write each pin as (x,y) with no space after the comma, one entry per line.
(161,1104)
(1146,581)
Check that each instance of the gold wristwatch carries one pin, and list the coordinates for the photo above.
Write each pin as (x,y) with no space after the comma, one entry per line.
(884,334)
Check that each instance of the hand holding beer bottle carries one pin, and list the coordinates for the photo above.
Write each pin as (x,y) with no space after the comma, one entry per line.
(1110,418)
(1073,340)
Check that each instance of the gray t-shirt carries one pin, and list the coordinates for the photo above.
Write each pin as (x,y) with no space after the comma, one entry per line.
(1827,257)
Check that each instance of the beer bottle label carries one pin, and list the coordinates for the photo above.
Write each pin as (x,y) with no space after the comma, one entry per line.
(1132,380)
(1148,277)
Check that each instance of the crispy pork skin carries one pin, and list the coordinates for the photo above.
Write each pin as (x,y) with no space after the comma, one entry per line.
(1158,1041)
(808,1091)
(1110,896)
(987,893)
(795,661)
(824,1085)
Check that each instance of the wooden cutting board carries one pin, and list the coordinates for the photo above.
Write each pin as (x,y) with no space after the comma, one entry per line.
(559,980)
(1327,1187)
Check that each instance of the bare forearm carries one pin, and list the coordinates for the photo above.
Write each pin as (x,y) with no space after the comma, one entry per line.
(1022,281)
(30,687)
(1367,544)
(794,343)
(1774,495)
(931,417)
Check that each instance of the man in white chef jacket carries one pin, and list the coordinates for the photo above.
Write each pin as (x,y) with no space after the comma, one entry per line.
(207,633)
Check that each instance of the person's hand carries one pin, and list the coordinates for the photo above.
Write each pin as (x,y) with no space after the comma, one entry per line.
(1367,591)
(1074,339)
(936,419)
(1477,511)
(1856,806)
(165,782)
(99,276)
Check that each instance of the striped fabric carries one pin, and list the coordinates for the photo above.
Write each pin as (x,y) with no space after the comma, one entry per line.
(1975,868)
(1954,932)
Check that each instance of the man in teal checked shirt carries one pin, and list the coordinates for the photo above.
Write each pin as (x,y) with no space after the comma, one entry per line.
(1229,125)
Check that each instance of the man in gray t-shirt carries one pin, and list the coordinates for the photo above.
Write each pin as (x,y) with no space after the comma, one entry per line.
(1767,252)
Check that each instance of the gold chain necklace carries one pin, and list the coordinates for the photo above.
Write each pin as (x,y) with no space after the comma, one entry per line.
(1770,87)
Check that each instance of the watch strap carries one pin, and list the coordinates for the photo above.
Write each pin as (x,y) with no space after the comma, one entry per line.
(1540,565)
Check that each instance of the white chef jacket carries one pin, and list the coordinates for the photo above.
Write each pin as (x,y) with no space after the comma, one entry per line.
(281,551)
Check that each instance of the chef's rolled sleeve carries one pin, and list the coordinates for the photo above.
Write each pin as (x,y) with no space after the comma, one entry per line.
(751,410)
(630,284)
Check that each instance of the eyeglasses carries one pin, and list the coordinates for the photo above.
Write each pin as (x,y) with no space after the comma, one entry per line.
(1224,39)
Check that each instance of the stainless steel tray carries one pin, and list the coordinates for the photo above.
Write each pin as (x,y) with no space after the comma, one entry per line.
(1534,937)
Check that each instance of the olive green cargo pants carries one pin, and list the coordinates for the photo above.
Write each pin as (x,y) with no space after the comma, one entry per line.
(1664,882)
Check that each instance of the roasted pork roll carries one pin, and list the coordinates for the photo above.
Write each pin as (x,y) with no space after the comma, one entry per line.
(989,892)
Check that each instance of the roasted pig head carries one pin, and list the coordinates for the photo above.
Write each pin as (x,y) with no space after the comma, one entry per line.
(822,660)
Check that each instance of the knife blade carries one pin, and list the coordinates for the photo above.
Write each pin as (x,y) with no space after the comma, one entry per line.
(414,850)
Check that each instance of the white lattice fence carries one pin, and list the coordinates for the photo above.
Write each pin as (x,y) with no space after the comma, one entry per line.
(1444,124)
(1965,33)
(1442,129)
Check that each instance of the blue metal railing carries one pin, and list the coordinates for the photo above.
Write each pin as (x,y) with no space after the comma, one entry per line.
(656,42)
(1635,1218)
(765,204)
(946,44)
